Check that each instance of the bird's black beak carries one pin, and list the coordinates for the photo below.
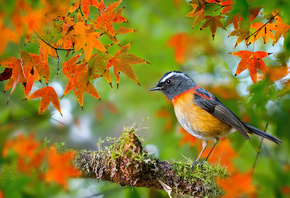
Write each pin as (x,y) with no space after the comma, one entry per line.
(156,89)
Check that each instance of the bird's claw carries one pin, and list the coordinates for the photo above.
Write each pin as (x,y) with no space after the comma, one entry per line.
(196,162)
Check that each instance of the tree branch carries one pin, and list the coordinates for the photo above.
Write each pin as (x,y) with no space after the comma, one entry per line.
(126,162)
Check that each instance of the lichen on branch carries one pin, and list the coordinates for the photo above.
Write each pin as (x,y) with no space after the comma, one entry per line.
(126,162)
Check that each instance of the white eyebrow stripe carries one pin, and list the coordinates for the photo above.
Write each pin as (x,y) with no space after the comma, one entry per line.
(172,74)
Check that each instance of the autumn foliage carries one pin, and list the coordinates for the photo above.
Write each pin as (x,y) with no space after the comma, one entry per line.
(68,27)
(79,43)
(31,156)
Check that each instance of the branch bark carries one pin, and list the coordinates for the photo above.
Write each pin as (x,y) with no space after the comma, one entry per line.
(126,162)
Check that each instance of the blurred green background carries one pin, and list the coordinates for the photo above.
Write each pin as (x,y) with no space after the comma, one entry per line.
(208,63)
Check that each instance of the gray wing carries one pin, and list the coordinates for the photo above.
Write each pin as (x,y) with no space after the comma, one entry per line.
(220,111)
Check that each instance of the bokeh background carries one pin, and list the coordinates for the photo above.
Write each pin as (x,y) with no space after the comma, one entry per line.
(159,24)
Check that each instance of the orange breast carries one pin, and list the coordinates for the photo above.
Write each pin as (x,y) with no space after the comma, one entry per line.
(197,121)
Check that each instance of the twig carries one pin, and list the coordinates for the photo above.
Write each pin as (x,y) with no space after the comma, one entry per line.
(259,152)
(55,48)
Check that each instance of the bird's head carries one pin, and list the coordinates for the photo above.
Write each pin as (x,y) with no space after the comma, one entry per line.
(174,83)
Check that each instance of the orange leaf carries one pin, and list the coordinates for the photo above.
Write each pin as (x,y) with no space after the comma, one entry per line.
(41,65)
(46,50)
(199,15)
(276,73)
(238,185)
(47,95)
(85,5)
(122,63)
(263,31)
(17,76)
(23,146)
(107,16)
(68,66)
(88,39)
(281,28)
(227,6)
(213,22)
(78,80)
(60,168)
(181,42)
(251,61)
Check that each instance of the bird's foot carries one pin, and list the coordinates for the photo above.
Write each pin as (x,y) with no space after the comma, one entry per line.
(196,163)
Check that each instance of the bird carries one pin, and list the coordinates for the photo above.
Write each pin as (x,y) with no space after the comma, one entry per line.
(201,114)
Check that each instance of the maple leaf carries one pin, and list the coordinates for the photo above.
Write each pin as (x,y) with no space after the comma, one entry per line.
(60,167)
(85,6)
(68,66)
(107,17)
(122,63)
(40,64)
(17,76)
(121,30)
(23,146)
(280,27)
(235,20)
(242,34)
(238,185)
(251,61)
(29,72)
(197,14)
(78,80)
(98,63)
(263,31)
(46,50)
(181,42)
(276,73)
(47,95)
(87,39)
(213,22)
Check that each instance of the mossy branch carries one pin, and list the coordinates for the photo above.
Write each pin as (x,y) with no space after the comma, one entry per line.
(126,162)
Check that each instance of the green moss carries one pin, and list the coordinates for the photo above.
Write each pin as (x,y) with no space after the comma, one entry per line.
(206,173)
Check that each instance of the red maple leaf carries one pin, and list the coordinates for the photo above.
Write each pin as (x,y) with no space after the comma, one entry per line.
(251,61)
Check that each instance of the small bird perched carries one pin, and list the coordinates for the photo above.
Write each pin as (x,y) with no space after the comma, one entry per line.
(200,113)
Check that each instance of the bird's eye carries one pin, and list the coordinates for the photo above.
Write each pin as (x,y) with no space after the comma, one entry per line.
(168,82)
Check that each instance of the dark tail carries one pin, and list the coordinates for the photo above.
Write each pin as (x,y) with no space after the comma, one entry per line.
(262,133)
